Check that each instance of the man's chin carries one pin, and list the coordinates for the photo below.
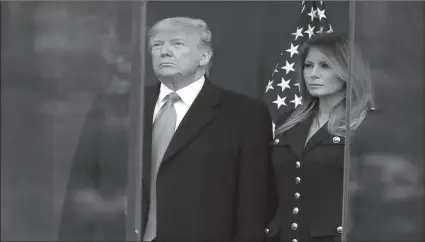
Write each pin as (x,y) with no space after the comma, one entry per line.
(167,71)
(167,74)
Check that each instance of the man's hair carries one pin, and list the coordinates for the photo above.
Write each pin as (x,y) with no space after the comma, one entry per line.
(197,25)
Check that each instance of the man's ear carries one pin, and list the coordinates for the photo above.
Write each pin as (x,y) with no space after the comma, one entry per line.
(206,57)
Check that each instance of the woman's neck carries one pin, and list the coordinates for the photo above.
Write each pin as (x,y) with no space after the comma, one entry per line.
(326,103)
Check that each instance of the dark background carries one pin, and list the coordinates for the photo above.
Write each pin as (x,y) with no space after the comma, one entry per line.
(56,56)
(247,36)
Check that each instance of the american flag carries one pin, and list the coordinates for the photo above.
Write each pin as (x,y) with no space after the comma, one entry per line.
(282,93)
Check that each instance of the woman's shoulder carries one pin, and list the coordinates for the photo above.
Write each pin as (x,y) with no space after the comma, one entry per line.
(371,121)
(369,133)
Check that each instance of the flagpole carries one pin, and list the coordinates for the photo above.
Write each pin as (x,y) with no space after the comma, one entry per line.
(134,230)
(346,216)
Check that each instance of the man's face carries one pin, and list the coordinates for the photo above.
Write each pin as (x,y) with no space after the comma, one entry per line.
(176,52)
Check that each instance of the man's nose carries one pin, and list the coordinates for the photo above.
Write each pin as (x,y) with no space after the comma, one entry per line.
(165,50)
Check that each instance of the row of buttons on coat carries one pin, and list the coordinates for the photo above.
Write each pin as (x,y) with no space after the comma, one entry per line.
(335,139)
(297,196)
(295,210)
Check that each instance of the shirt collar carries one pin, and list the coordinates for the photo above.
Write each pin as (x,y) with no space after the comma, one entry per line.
(187,94)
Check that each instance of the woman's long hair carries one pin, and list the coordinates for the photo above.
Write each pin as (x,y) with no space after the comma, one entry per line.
(335,47)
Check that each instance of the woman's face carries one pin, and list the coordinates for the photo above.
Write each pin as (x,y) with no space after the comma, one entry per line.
(319,77)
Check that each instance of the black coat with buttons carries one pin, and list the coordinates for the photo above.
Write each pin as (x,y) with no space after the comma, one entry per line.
(309,180)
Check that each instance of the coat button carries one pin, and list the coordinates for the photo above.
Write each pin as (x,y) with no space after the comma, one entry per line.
(294,226)
(294,240)
(339,230)
(267,231)
(298,164)
(297,195)
(276,141)
(295,210)
(297,180)
(336,139)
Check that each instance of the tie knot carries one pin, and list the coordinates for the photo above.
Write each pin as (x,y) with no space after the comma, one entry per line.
(172,97)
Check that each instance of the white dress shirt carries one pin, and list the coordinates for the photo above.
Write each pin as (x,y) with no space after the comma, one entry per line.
(187,95)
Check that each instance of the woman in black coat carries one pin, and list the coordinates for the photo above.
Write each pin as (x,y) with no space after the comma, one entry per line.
(308,150)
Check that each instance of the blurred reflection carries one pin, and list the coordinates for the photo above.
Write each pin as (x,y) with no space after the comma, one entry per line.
(399,178)
(88,203)
(387,190)
(56,56)
(94,205)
